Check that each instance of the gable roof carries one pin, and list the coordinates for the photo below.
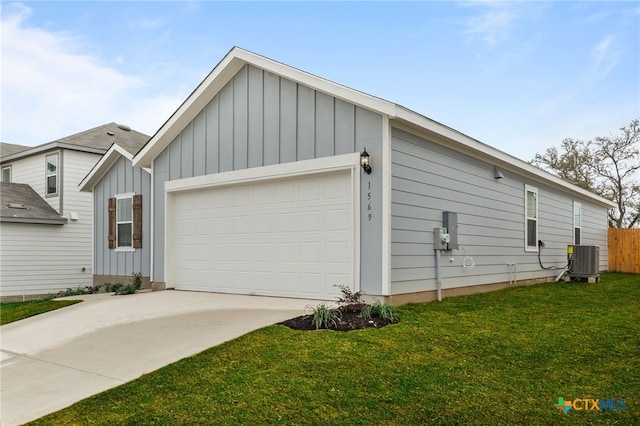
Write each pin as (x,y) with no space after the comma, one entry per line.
(96,140)
(106,162)
(20,203)
(398,116)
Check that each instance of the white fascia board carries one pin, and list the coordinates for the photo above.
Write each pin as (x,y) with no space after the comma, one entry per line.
(102,167)
(223,73)
(318,83)
(460,142)
(296,168)
(386,206)
(189,109)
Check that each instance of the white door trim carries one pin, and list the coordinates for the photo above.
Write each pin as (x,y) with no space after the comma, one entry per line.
(253,174)
(299,168)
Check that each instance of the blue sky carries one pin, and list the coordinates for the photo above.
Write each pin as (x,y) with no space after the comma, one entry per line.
(520,76)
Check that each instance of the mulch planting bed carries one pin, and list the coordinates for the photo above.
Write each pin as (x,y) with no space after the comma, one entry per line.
(349,320)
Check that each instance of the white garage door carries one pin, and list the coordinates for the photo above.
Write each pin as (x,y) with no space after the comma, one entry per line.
(288,237)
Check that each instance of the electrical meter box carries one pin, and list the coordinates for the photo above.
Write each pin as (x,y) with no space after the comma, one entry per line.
(440,239)
(450,223)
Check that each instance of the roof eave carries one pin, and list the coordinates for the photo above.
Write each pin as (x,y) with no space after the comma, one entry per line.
(222,74)
(50,147)
(102,167)
(9,219)
(447,136)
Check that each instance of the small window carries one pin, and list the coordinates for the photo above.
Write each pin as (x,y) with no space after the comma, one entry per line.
(124,222)
(531,218)
(577,222)
(6,174)
(51,175)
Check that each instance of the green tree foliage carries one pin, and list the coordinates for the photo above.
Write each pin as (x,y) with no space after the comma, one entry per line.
(607,165)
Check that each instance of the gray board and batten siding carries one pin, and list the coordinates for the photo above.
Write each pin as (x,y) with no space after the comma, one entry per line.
(428,178)
(259,119)
(121,178)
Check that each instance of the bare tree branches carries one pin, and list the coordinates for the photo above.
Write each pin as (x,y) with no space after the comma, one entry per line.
(608,166)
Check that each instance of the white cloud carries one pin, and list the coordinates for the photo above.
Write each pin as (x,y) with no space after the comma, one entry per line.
(494,22)
(604,55)
(50,88)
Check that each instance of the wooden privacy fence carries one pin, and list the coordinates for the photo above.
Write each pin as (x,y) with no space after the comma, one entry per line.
(624,250)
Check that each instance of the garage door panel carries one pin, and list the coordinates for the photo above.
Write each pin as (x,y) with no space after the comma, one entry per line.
(287,237)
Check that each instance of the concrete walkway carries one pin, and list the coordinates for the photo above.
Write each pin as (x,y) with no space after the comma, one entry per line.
(53,360)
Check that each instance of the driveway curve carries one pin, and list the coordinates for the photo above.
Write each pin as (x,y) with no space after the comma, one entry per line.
(53,360)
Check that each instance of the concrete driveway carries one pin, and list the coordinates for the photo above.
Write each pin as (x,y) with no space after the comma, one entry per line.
(55,359)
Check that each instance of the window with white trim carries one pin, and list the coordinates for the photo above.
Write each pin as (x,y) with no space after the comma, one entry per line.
(577,223)
(51,175)
(531,218)
(124,221)
(6,174)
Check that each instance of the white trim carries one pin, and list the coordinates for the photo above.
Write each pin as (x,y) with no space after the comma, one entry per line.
(343,162)
(402,117)
(151,222)
(386,207)
(223,73)
(10,173)
(124,249)
(532,189)
(413,122)
(124,196)
(296,168)
(103,166)
(47,175)
(355,209)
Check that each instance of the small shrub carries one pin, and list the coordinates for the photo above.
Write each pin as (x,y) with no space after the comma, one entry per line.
(136,281)
(379,309)
(126,289)
(348,297)
(323,316)
(113,288)
(71,292)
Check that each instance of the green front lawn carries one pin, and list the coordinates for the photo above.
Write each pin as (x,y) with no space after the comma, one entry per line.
(494,358)
(10,312)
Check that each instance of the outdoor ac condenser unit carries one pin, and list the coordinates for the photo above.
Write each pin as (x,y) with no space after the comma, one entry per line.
(583,260)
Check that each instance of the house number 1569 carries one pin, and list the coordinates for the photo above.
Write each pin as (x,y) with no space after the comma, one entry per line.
(369,201)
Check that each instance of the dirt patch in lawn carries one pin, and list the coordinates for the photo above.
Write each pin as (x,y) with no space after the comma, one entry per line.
(348,320)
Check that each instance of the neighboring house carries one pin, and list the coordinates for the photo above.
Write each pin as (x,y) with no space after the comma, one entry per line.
(43,251)
(256,188)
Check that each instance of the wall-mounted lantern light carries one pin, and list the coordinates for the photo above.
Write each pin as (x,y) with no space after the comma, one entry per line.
(364,161)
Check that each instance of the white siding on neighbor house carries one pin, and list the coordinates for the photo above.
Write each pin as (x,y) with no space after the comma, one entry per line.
(47,258)
(42,259)
(122,178)
(31,170)
(428,179)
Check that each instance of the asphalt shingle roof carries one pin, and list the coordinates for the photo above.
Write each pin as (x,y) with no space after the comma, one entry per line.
(102,137)
(20,203)
(98,138)
(10,148)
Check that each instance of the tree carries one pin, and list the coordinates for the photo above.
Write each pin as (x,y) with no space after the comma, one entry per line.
(607,165)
